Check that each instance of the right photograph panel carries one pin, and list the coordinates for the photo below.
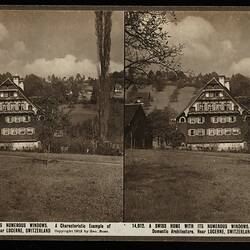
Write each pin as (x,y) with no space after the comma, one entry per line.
(187,116)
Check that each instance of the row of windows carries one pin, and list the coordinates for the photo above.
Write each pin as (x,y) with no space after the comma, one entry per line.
(193,120)
(214,94)
(213,119)
(8,94)
(17,131)
(14,106)
(223,119)
(17,119)
(215,106)
(214,131)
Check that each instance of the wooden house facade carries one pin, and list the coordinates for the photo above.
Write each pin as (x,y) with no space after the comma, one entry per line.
(19,117)
(214,119)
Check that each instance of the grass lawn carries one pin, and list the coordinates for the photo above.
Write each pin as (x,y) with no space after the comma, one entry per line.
(179,186)
(61,188)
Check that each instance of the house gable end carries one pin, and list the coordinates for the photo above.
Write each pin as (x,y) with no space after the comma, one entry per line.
(212,84)
(8,82)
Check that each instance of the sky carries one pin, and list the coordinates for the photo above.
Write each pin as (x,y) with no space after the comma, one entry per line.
(56,42)
(213,41)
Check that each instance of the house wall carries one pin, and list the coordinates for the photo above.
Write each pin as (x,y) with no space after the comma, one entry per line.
(240,123)
(214,101)
(19,123)
(20,145)
(226,146)
(32,124)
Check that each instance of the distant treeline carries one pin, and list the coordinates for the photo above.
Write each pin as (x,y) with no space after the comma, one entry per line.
(63,89)
(240,84)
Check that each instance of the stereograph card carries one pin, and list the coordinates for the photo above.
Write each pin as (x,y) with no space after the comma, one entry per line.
(124,123)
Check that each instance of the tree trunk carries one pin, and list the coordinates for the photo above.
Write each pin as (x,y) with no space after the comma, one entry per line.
(103,30)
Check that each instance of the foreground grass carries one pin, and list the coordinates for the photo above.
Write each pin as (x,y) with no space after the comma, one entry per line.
(175,186)
(63,188)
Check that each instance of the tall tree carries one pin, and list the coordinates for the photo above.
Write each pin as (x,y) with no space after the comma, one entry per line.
(103,33)
(147,43)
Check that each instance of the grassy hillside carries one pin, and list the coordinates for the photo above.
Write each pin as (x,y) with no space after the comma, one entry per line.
(80,112)
(162,99)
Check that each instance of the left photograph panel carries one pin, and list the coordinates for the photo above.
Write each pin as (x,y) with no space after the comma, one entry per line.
(61,115)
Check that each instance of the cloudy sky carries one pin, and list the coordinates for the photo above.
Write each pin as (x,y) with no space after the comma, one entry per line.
(214,41)
(59,42)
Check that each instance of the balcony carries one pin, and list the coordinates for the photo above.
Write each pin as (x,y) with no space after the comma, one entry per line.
(213,112)
(16,111)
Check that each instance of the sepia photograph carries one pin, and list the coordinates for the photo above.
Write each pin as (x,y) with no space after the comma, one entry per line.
(124,122)
(61,115)
(187,116)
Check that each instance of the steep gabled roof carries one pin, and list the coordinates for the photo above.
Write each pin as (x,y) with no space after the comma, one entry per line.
(195,98)
(130,111)
(21,92)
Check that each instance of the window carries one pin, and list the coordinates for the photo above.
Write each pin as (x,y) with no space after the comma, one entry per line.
(26,118)
(232,119)
(207,94)
(200,120)
(223,119)
(9,119)
(12,106)
(214,119)
(235,131)
(217,106)
(192,120)
(15,94)
(8,106)
(21,131)
(17,106)
(18,119)
(13,131)
(211,132)
(5,131)
(22,106)
(200,132)
(5,94)
(1,94)
(30,131)
(191,132)
(201,107)
(219,131)
(210,107)
(227,131)
(221,94)
(228,106)
(182,120)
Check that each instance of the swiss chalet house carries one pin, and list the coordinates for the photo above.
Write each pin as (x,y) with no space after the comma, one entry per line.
(215,120)
(19,117)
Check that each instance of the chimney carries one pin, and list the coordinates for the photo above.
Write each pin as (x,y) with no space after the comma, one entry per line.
(222,80)
(227,85)
(16,79)
(21,85)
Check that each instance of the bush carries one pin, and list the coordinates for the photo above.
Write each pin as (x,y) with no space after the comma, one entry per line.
(108,148)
